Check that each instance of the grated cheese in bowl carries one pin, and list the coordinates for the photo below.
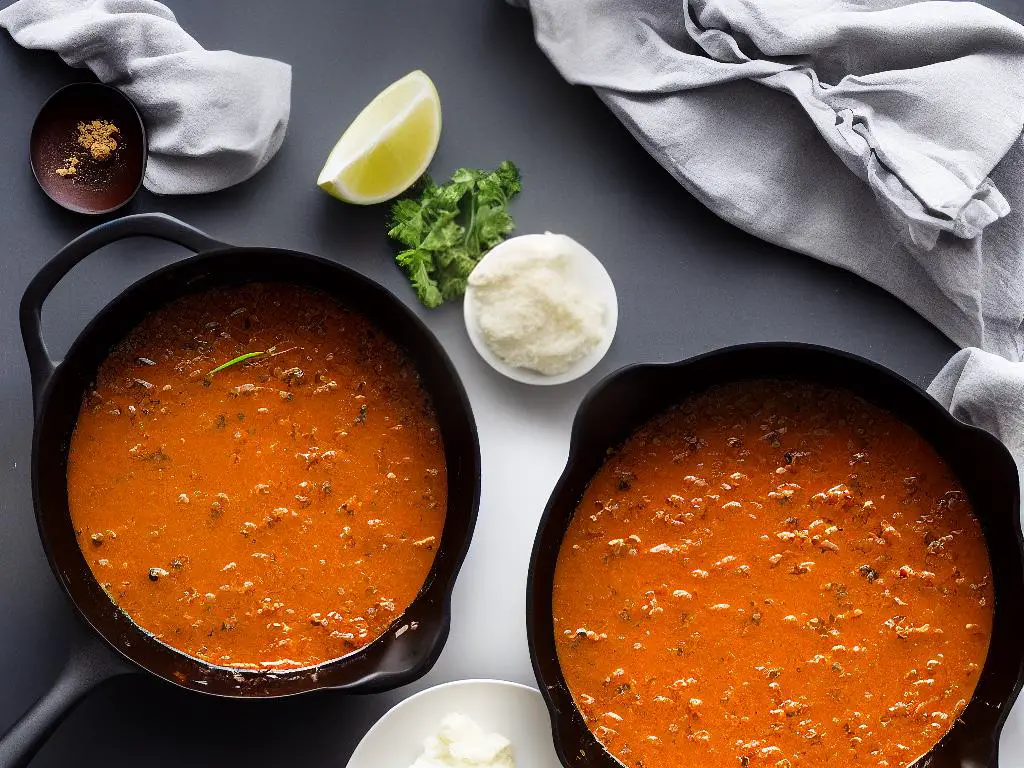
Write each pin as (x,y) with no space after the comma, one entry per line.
(531,307)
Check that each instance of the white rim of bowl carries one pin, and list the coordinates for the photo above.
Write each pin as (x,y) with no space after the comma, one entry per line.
(581,367)
(431,689)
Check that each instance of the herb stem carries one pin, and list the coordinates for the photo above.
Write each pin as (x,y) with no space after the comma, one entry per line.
(472,218)
(235,361)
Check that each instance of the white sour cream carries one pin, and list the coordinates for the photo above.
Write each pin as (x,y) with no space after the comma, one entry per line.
(530,307)
(461,743)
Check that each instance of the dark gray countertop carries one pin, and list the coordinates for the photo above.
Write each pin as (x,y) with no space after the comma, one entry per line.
(687,282)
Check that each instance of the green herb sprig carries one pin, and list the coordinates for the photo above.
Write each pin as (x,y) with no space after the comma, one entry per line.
(234,361)
(448,228)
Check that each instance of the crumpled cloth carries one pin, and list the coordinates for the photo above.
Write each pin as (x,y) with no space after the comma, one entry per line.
(882,136)
(214,118)
(987,391)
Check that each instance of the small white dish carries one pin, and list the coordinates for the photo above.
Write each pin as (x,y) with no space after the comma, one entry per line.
(513,710)
(590,274)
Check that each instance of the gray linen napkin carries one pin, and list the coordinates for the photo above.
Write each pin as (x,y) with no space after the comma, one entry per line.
(214,118)
(882,136)
(987,391)
(867,134)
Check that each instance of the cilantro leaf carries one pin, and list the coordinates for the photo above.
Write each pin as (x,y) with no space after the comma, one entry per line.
(460,260)
(407,225)
(500,186)
(447,228)
(419,266)
(493,225)
(444,237)
(452,286)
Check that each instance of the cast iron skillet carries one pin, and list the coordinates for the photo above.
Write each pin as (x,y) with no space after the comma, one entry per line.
(115,645)
(627,399)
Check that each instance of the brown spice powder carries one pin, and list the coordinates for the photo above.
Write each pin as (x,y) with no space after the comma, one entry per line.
(93,144)
(70,167)
(97,136)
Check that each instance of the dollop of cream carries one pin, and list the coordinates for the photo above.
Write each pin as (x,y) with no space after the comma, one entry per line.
(529,309)
(461,743)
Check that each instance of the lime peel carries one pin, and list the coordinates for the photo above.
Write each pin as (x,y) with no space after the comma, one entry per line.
(388,146)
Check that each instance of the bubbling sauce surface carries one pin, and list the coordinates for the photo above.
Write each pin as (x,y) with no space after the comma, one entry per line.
(279,513)
(772,573)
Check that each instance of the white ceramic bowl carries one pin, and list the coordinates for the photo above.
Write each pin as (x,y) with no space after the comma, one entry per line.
(590,274)
(513,710)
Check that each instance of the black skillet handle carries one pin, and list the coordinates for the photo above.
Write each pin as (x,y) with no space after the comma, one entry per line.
(91,662)
(158,225)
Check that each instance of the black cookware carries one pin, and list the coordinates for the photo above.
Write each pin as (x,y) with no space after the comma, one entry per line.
(111,644)
(627,399)
(96,188)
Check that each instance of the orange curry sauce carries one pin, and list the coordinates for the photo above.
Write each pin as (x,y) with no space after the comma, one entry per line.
(772,574)
(279,513)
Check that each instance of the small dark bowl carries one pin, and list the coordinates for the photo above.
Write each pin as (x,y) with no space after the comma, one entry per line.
(97,188)
(630,397)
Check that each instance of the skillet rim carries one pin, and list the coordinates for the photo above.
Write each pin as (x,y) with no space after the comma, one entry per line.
(575,744)
(432,605)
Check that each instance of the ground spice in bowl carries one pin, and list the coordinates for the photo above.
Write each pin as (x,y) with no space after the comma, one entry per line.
(97,138)
(88,148)
(70,167)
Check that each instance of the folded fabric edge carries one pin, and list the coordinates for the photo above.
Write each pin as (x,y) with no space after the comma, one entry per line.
(943,386)
(164,178)
(984,390)
(946,318)
(964,210)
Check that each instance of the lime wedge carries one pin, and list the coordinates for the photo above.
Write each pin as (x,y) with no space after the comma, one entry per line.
(388,146)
